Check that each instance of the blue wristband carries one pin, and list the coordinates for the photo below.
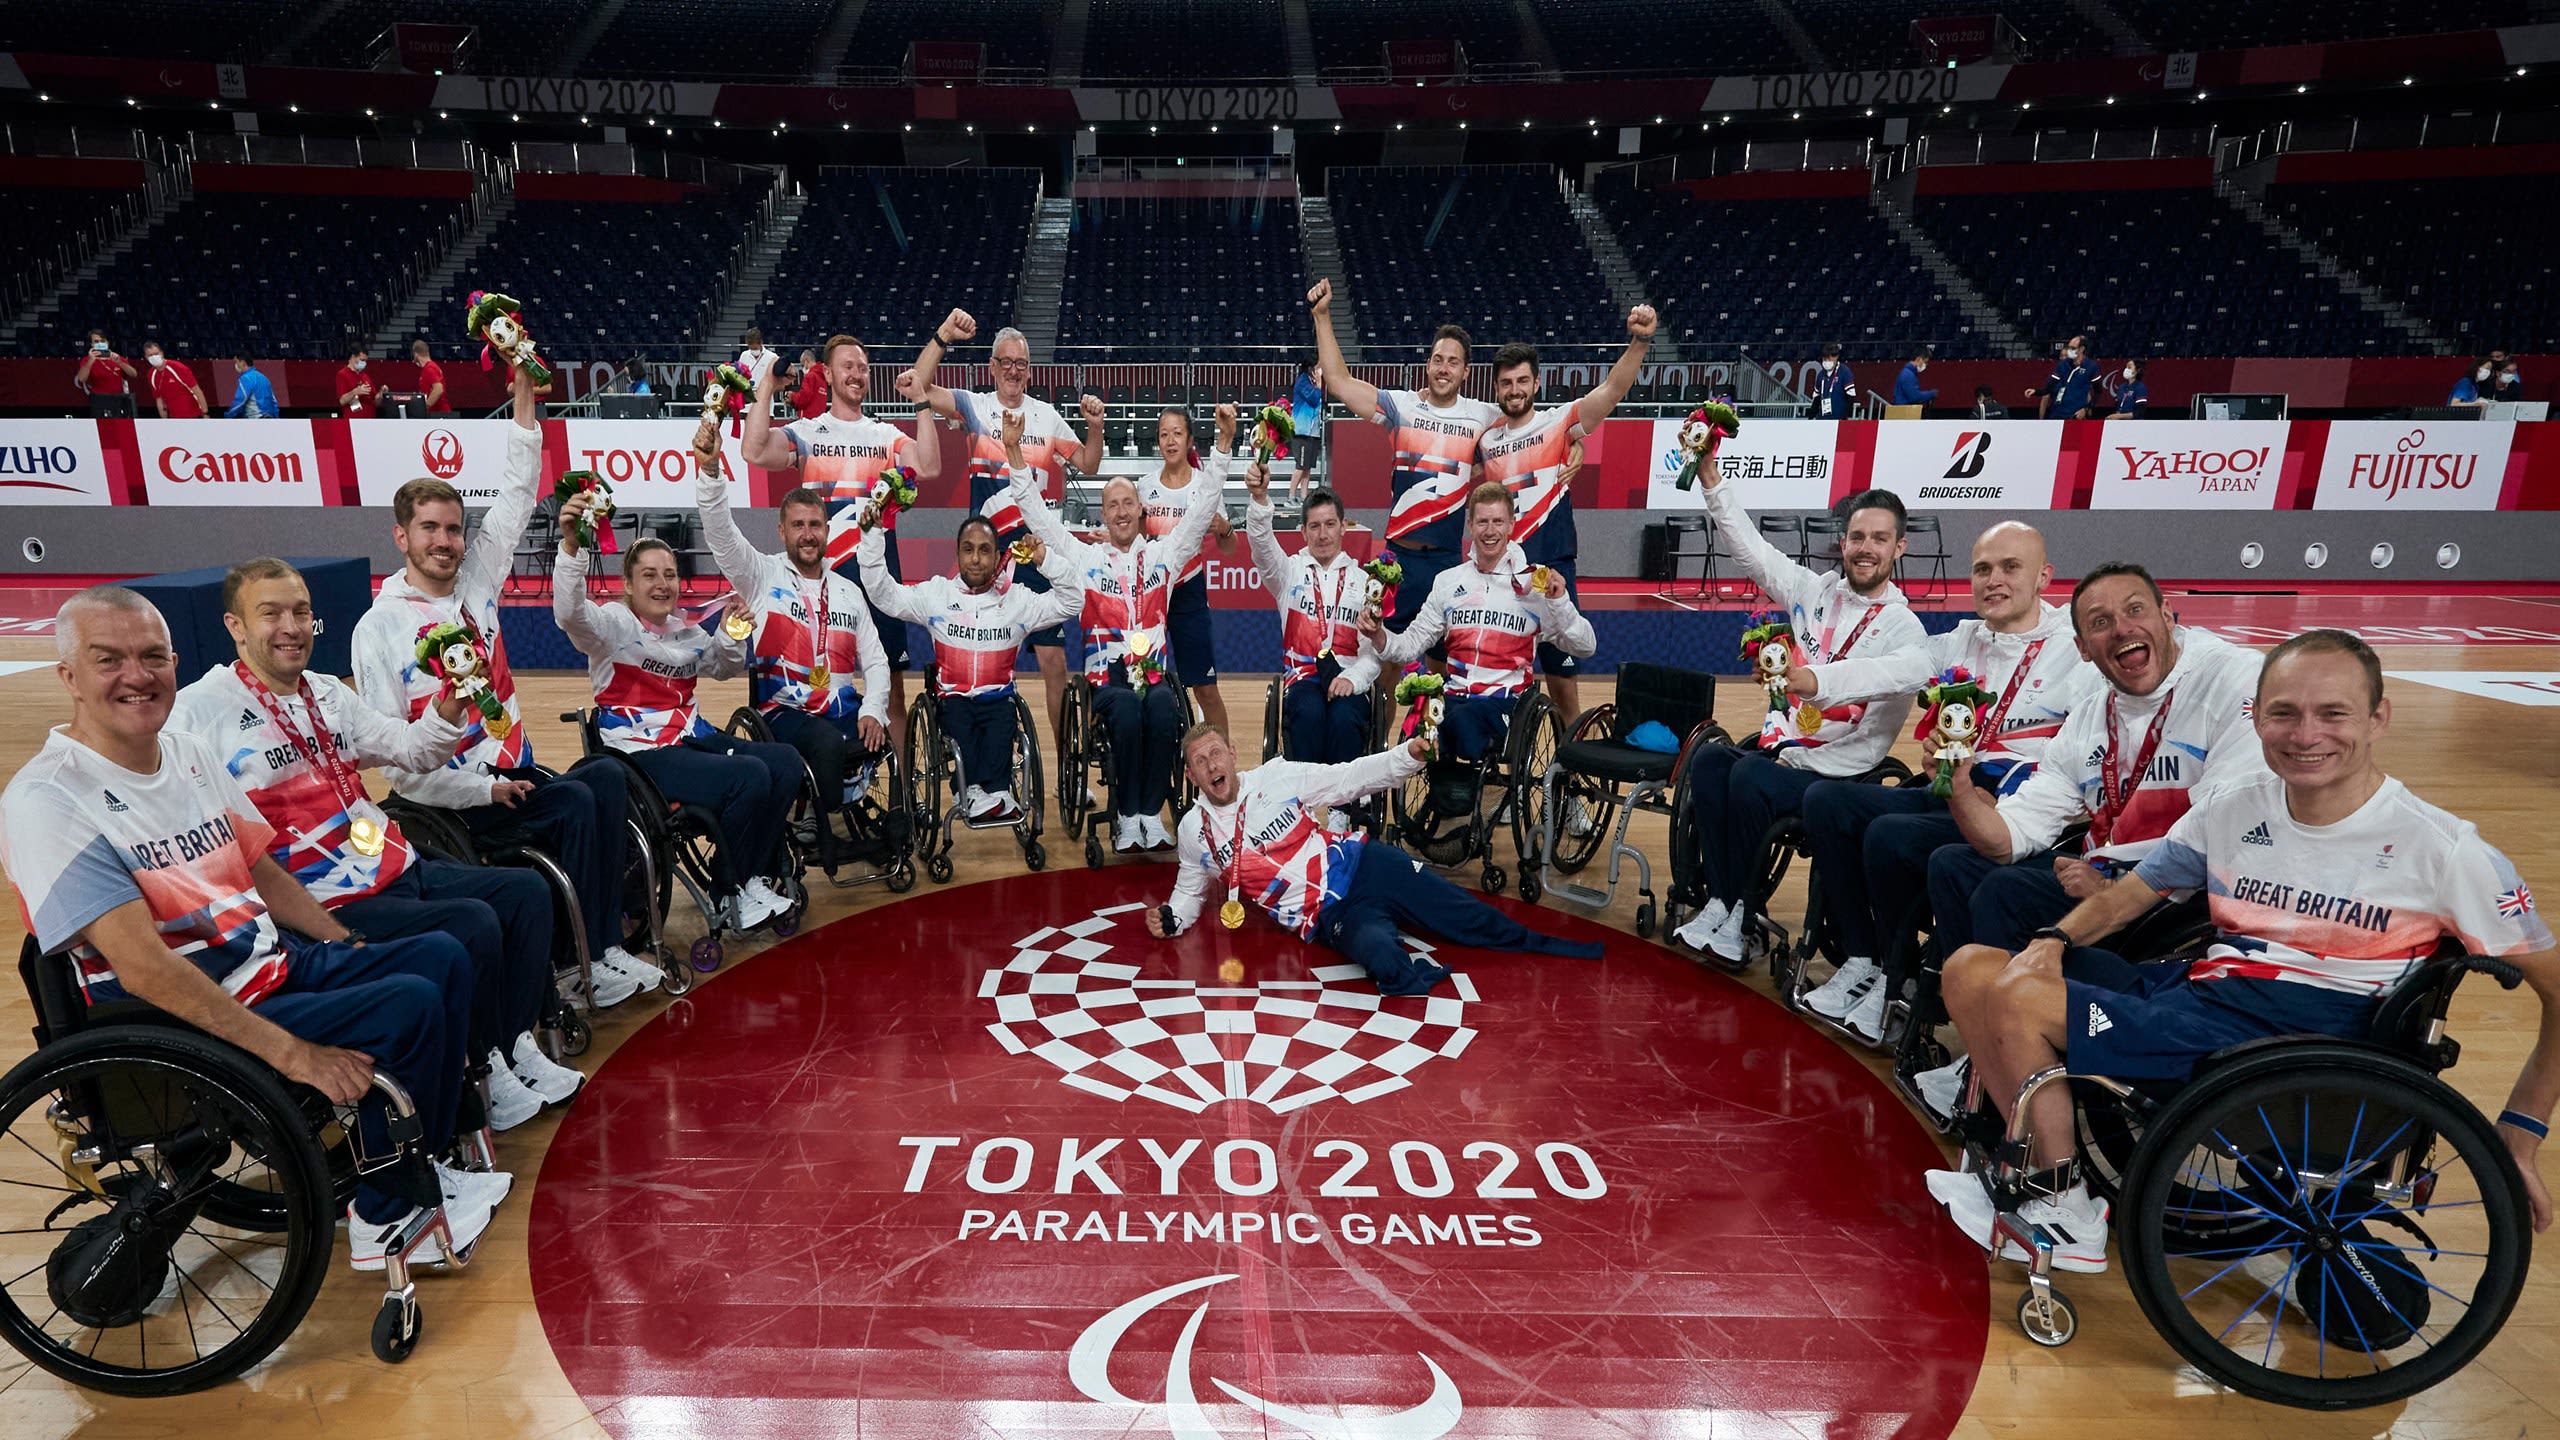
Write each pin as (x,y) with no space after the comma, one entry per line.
(2526,1123)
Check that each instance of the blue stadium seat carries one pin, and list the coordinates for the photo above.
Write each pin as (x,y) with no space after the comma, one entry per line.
(1174,280)
(1493,248)
(1355,32)
(1185,40)
(885,254)
(2459,252)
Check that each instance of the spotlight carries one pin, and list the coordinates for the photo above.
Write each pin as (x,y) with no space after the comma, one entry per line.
(2449,554)
(2382,555)
(2315,555)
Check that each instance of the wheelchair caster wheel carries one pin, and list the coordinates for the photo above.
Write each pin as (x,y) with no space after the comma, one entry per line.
(1644,921)
(707,954)
(2047,1319)
(575,1034)
(1530,889)
(1035,855)
(676,977)
(1494,879)
(395,1328)
(1092,851)
(902,877)
(939,867)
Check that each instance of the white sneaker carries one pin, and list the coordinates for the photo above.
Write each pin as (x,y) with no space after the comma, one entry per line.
(510,1103)
(1866,1018)
(1942,1089)
(1835,997)
(974,799)
(1125,834)
(1157,837)
(762,892)
(1708,921)
(368,1244)
(612,987)
(2078,1224)
(750,910)
(1004,809)
(550,1081)
(1726,940)
(1966,1201)
(1577,817)
(473,1187)
(642,974)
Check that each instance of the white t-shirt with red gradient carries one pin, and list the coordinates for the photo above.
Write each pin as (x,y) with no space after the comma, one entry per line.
(977,634)
(2349,906)
(1046,444)
(1435,465)
(1529,460)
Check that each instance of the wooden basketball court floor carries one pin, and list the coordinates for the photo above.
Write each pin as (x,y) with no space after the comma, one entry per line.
(486,1367)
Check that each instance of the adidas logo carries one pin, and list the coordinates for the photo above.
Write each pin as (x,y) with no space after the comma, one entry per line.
(2259,836)
(249,720)
(2099,1024)
(113,803)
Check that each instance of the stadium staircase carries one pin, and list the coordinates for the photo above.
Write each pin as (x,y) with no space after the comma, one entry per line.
(1067,62)
(1989,320)
(755,274)
(415,317)
(827,56)
(2112,24)
(1799,39)
(2422,337)
(1044,277)
(583,40)
(1300,35)
(1616,268)
(1323,253)
(170,189)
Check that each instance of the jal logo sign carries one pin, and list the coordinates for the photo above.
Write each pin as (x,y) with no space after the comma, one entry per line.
(229,462)
(1968,464)
(52,462)
(2191,465)
(649,463)
(469,455)
(2395,465)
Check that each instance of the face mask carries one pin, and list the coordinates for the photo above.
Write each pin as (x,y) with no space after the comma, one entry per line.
(2071,355)
(2128,372)
(356,365)
(99,348)
(156,361)
(1830,365)
(2484,372)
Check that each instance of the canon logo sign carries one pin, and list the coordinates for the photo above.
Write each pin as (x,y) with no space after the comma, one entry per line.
(441,453)
(181,465)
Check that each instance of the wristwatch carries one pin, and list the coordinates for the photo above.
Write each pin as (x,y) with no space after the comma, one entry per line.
(2054,932)
(354,937)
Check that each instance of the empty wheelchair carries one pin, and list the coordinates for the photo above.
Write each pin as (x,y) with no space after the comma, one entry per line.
(2317,1222)
(680,842)
(1445,813)
(934,777)
(879,819)
(169,1203)
(565,1029)
(1085,768)
(1596,776)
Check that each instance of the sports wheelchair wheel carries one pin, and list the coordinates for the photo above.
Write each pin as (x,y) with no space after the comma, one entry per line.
(1528,748)
(925,781)
(1596,798)
(1076,758)
(2382,1231)
(1271,721)
(113,1141)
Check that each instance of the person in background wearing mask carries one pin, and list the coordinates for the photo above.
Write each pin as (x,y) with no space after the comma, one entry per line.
(2510,381)
(102,371)
(1906,386)
(173,386)
(252,398)
(430,379)
(355,392)
(2065,395)
(1832,387)
(754,359)
(2474,385)
(2132,397)
(812,399)
(1987,406)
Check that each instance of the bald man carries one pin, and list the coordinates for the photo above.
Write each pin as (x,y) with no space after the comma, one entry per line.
(1871,843)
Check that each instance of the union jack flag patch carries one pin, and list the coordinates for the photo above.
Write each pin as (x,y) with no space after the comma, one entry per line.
(2516,902)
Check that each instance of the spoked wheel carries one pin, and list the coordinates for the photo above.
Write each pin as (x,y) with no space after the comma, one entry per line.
(1586,806)
(1271,721)
(575,1034)
(924,787)
(1028,782)
(1074,731)
(2047,1318)
(1527,751)
(1420,827)
(113,1275)
(675,975)
(2377,1228)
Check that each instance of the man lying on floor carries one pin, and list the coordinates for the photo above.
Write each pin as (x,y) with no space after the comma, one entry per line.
(1251,833)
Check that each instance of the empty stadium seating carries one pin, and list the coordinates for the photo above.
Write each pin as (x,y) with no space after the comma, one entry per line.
(515,37)
(608,280)
(2464,253)
(162,29)
(48,226)
(1355,32)
(2216,24)
(1784,276)
(886,254)
(1185,40)
(1875,34)
(284,276)
(1016,32)
(712,39)
(2148,272)
(1182,280)
(1492,248)
(1717,37)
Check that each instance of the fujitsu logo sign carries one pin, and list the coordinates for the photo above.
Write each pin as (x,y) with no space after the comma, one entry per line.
(441,453)
(2409,465)
(180,465)
(2236,471)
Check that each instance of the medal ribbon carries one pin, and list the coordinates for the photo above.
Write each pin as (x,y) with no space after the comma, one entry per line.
(2111,803)
(1325,608)
(322,752)
(1828,654)
(2017,682)
(1235,857)
(820,636)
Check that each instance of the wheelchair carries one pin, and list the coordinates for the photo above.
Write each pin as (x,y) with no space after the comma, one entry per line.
(1275,730)
(2297,1219)
(565,1030)
(1084,762)
(164,1182)
(933,771)
(880,820)
(678,841)
(1425,820)
(1597,774)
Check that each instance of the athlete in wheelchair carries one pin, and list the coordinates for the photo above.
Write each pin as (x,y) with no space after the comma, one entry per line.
(2308,1213)
(1125,711)
(1323,707)
(970,730)
(813,637)
(169,1202)
(716,808)
(1495,728)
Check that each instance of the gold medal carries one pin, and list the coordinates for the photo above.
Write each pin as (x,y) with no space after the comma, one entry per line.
(1538,578)
(1024,550)
(819,678)
(1808,717)
(365,836)
(1141,643)
(1231,972)
(1324,649)
(499,724)
(738,627)
(1231,914)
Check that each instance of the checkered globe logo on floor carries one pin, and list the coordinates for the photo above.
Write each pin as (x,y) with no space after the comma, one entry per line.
(1282,1044)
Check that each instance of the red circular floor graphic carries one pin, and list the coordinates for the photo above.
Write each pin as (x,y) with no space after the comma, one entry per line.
(992,1161)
